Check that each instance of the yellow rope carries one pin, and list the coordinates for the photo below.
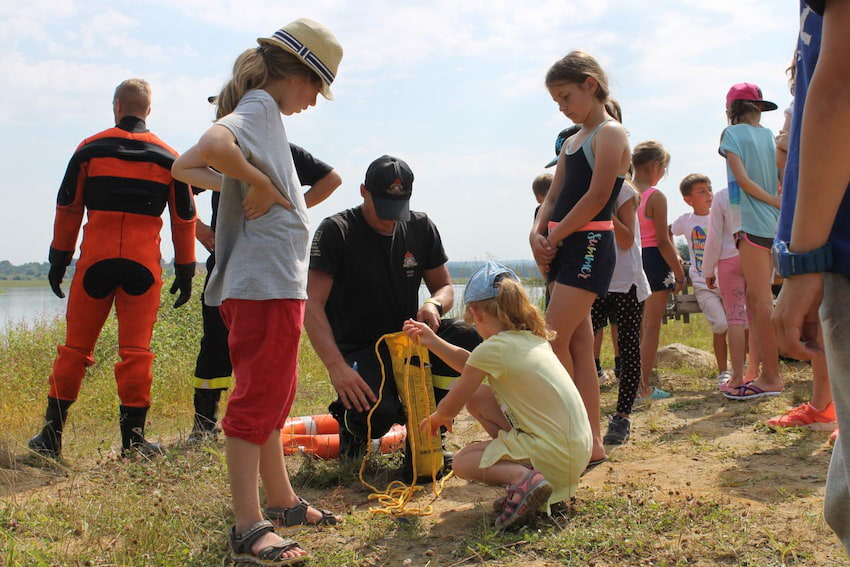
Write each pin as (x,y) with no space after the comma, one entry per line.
(395,498)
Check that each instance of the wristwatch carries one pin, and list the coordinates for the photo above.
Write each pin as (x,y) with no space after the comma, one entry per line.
(789,263)
(436,304)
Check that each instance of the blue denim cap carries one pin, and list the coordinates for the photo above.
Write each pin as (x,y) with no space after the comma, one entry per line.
(484,283)
(559,142)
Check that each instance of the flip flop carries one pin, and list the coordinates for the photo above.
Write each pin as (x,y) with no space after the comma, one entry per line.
(750,391)
(593,464)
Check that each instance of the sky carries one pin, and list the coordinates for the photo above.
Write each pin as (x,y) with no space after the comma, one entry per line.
(456,89)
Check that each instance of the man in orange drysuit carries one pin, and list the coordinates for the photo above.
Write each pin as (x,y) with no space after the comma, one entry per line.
(122,176)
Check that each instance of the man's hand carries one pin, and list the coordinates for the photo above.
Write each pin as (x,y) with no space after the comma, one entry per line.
(352,389)
(795,319)
(260,198)
(430,315)
(59,260)
(183,274)
(205,235)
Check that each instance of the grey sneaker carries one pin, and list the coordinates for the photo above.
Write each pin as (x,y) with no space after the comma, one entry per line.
(618,430)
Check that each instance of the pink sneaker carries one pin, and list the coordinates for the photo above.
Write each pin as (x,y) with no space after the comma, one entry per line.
(805,415)
(833,437)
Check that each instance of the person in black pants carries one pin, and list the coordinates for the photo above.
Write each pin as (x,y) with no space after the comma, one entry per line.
(366,267)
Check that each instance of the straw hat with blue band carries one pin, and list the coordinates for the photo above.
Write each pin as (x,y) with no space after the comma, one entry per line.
(312,43)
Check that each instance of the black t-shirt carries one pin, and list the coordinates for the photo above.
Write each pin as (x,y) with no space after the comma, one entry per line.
(376,278)
(308,169)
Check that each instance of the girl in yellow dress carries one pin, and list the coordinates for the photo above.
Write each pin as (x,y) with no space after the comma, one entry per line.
(530,405)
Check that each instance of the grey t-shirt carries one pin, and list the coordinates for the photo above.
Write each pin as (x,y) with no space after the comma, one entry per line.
(265,258)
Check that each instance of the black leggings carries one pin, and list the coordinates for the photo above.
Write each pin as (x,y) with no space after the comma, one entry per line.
(628,313)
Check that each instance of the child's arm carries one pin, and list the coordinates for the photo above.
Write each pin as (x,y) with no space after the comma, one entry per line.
(205,235)
(782,144)
(749,186)
(219,149)
(454,401)
(713,244)
(624,224)
(452,355)
(322,188)
(657,207)
(191,168)
(610,145)
(542,251)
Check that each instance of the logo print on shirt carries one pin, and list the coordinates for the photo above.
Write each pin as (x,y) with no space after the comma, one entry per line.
(698,244)
(409,263)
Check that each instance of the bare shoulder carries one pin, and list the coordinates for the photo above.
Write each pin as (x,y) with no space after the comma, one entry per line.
(657,197)
(614,131)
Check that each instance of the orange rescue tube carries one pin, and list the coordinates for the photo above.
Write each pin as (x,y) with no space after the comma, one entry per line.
(326,445)
(311,425)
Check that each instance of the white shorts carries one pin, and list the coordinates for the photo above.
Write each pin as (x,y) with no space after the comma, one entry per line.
(712,309)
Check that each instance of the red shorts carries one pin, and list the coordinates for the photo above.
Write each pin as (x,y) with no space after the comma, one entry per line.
(264,339)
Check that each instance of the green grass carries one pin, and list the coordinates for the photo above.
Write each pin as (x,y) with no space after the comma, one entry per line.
(96,509)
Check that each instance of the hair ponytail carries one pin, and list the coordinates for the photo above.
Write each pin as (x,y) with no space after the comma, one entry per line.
(739,109)
(254,68)
(612,107)
(512,308)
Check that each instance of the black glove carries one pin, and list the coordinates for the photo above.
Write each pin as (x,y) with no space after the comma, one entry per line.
(59,260)
(183,274)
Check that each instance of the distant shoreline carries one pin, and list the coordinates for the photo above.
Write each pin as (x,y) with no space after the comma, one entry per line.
(23,283)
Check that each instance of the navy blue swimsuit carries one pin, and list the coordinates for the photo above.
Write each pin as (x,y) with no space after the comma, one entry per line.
(586,258)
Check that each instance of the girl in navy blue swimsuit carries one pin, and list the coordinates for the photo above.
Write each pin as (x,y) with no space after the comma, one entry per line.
(579,249)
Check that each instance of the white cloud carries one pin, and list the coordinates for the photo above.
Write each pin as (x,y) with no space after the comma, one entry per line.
(455,88)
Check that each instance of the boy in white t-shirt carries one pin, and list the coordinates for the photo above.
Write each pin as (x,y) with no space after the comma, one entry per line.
(696,191)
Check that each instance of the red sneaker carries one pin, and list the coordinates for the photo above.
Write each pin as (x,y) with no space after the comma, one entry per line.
(805,415)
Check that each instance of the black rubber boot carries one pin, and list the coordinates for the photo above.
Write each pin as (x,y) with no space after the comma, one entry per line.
(206,415)
(132,421)
(351,447)
(49,441)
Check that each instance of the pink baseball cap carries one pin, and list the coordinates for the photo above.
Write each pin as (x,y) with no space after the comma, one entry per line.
(749,92)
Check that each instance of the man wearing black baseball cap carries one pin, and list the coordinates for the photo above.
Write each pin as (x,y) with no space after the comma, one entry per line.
(390,182)
(366,267)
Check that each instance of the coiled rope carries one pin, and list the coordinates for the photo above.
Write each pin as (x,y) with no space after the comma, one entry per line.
(395,499)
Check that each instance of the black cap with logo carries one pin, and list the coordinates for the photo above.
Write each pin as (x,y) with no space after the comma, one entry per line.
(390,181)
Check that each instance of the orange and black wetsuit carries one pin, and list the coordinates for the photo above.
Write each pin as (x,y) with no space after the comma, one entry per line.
(122,176)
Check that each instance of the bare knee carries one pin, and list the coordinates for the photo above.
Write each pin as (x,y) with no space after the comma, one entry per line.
(465,464)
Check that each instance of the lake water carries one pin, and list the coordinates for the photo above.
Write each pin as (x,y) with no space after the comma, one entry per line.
(27,303)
